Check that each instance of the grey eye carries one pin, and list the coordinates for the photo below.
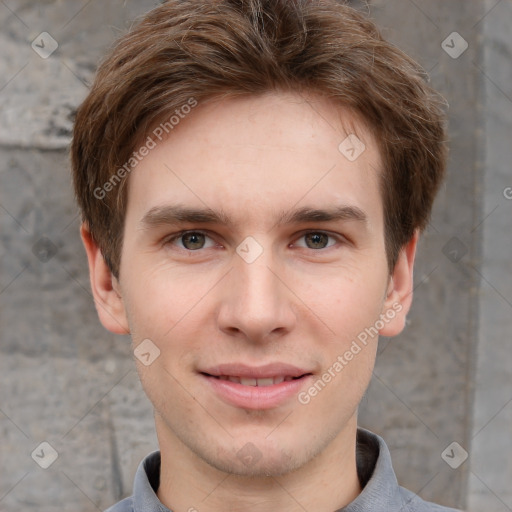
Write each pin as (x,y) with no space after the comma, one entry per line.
(193,240)
(317,240)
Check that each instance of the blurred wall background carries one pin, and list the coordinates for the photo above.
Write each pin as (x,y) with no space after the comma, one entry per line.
(442,392)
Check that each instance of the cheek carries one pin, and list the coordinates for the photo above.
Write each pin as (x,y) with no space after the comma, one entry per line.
(348,301)
(162,301)
(350,305)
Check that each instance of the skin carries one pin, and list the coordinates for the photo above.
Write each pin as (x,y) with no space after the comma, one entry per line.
(298,302)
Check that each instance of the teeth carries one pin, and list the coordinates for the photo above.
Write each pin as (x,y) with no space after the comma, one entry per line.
(267,381)
(248,382)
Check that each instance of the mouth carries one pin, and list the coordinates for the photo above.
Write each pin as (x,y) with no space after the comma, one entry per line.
(256,382)
(263,387)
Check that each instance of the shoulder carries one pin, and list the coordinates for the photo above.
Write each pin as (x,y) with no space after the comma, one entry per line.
(125,505)
(413,503)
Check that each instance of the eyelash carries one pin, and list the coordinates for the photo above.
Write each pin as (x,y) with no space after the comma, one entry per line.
(339,238)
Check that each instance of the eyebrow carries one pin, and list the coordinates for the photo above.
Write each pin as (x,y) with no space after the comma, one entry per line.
(175,214)
(337,213)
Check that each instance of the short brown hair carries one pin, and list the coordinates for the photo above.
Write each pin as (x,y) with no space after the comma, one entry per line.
(187,51)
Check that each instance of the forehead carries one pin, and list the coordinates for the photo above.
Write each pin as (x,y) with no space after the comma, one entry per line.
(260,155)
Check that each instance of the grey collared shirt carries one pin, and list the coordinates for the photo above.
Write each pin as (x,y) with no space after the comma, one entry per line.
(381,492)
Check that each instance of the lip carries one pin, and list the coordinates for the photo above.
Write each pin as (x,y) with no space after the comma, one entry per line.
(256,372)
(255,397)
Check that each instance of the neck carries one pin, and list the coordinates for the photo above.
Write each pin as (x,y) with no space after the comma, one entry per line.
(327,482)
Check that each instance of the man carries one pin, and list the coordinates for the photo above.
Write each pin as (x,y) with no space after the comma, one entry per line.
(253,178)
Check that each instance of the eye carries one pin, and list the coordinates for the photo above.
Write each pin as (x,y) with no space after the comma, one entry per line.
(317,240)
(191,240)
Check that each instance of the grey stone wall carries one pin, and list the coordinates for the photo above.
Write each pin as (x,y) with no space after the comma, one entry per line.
(68,382)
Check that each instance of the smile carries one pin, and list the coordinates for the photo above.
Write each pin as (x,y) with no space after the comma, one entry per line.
(256,388)
(269,381)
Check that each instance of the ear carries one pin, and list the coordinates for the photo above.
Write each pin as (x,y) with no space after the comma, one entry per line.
(399,293)
(105,287)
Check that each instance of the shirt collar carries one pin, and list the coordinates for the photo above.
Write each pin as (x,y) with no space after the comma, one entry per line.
(147,480)
(381,492)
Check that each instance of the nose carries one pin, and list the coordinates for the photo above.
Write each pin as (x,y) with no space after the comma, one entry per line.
(256,303)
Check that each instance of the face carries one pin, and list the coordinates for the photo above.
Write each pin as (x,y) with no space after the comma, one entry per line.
(253,265)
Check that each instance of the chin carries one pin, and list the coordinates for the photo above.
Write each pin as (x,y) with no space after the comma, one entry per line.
(256,461)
